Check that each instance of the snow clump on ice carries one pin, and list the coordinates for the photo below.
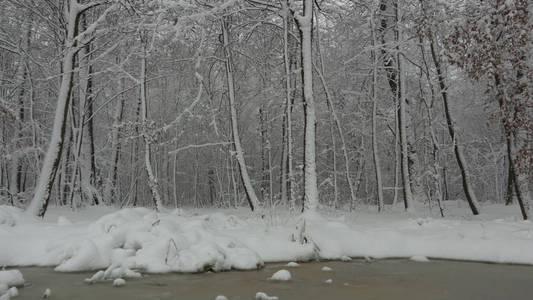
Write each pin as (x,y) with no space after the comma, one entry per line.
(119,282)
(47,293)
(281,275)
(264,296)
(419,258)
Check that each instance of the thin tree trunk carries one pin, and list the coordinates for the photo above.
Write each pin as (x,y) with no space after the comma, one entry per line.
(375,151)
(459,156)
(52,158)
(152,180)
(110,190)
(287,16)
(22,74)
(253,201)
(305,23)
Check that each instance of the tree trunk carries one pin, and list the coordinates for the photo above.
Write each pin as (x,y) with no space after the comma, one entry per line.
(459,156)
(248,188)
(305,24)
(52,158)
(375,151)
(110,189)
(287,59)
(152,180)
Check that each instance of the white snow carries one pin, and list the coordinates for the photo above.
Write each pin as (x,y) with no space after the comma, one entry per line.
(346,258)
(11,278)
(264,296)
(98,276)
(61,220)
(329,280)
(119,282)
(13,291)
(221,297)
(47,293)
(132,240)
(326,269)
(419,258)
(281,275)
(292,264)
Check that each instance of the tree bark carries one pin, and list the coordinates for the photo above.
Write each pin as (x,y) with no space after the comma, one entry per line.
(251,196)
(459,156)
(305,24)
(152,180)
(52,158)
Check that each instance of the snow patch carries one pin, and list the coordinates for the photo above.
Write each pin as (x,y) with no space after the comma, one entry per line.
(281,275)
(119,282)
(329,280)
(292,264)
(221,297)
(419,258)
(47,293)
(326,269)
(264,296)
(11,278)
(63,221)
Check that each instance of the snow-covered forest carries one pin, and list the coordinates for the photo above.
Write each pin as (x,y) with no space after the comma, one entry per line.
(222,103)
(283,112)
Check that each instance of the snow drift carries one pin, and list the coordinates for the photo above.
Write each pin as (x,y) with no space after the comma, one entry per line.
(139,239)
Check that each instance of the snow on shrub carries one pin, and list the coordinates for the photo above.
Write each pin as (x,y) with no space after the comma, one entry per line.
(140,238)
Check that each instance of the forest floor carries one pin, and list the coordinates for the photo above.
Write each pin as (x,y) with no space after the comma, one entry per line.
(124,242)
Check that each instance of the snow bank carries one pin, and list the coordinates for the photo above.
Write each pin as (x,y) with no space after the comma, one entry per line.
(11,278)
(9,215)
(8,281)
(128,241)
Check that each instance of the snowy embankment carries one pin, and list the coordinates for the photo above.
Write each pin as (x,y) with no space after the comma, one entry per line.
(189,241)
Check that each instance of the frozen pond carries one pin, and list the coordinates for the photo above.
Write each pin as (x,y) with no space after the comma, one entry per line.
(380,279)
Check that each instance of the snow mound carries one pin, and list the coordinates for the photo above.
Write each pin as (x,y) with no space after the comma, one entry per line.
(221,297)
(11,278)
(281,275)
(63,221)
(9,215)
(292,264)
(13,292)
(264,296)
(47,293)
(419,258)
(119,282)
(98,276)
(326,269)
(346,258)
(140,238)
(329,280)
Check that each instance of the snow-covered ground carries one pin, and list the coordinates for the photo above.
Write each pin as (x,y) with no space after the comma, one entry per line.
(125,242)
